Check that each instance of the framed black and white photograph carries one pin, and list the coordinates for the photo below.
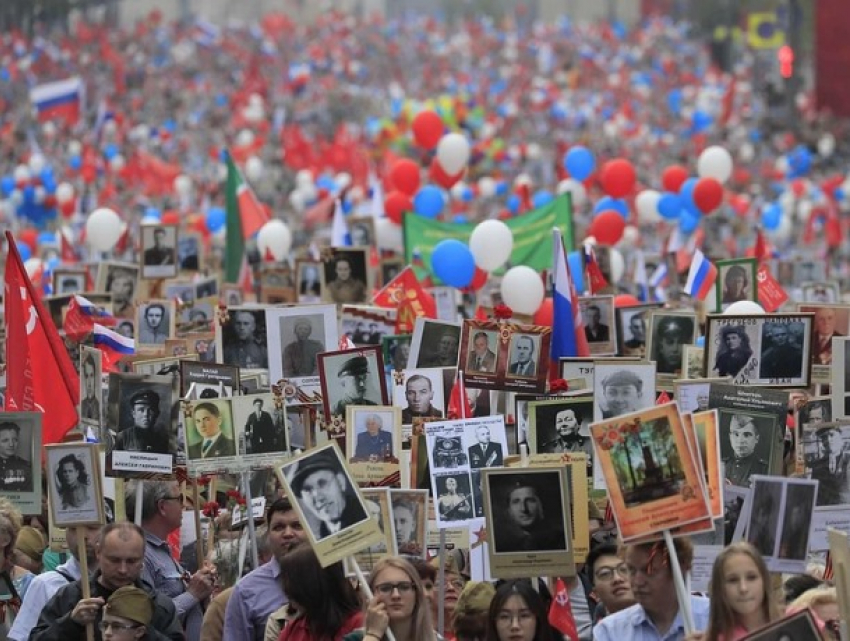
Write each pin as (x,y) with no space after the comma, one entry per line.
(409,520)
(216,374)
(747,444)
(482,349)
(373,444)
(809,271)
(91,392)
(693,395)
(597,312)
(561,425)
(121,280)
(126,327)
(367,325)
(329,503)
(197,315)
(396,349)
(155,322)
(159,251)
(347,274)
(309,276)
(362,230)
(422,395)
(69,281)
(522,417)
(207,287)
(831,321)
(76,497)
(141,426)
(20,460)
(296,336)
(527,512)
(769,351)
(241,339)
(800,625)
(190,252)
(276,276)
(179,290)
(823,452)
(453,496)
(620,387)
(632,324)
(299,428)
(210,435)
(259,425)
(377,501)
(669,333)
(390,268)
(352,377)
(434,344)
(232,295)
(693,361)
(736,281)
(828,292)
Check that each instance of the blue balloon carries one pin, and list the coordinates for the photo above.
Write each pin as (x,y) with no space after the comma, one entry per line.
(460,219)
(513,203)
(327,183)
(579,161)
(700,121)
(674,101)
(29,194)
(688,220)
(606,202)
(110,151)
(429,201)
(839,194)
(25,251)
(501,187)
(575,260)
(215,219)
(46,238)
(53,262)
(686,193)
(467,195)
(542,198)
(669,206)
(75,162)
(154,212)
(7,185)
(453,263)
(771,216)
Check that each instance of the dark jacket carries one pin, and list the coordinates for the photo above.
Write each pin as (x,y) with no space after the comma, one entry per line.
(55,623)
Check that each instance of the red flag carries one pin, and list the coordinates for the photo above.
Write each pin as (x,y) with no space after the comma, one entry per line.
(662,399)
(595,277)
(760,250)
(41,377)
(459,406)
(69,254)
(561,612)
(81,317)
(406,287)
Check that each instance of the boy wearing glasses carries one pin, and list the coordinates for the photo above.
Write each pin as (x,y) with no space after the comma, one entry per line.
(609,577)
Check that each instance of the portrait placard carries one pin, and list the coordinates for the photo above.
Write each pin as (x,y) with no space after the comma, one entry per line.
(622,386)
(74,491)
(260,429)
(155,322)
(373,444)
(423,395)
(800,625)
(140,434)
(367,325)
(809,271)
(766,351)
(434,344)
(519,355)
(121,280)
(824,292)
(347,275)
(561,425)
(309,275)
(362,230)
(528,529)
(390,269)
(692,395)
(351,377)
(20,460)
(693,361)
(736,281)
(190,255)
(669,332)
(159,251)
(377,501)
(396,350)
(296,336)
(91,386)
(599,323)
(69,281)
(831,321)
(410,520)
(338,522)
(652,479)
(240,337)
(632,323)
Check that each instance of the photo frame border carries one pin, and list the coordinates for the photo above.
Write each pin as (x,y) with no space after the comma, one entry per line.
(54,452)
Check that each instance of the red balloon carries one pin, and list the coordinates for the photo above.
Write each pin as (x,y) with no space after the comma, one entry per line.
(479,279)
(439,176)
(29,237)
(170,218)
(427,129)
(625,300)
(395,204)
(618,178)
(608,227)
(545,313)
(404,175)
(708,194)
(673,177)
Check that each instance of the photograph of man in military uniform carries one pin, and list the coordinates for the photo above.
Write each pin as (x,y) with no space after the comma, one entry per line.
(243,338)
(352,379)
(15,470)
(159,251)
(745,444)
(144,419)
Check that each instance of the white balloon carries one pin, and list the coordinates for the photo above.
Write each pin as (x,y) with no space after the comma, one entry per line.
(826,145)
(491,243)
(646,204)
(576,189)
(253,168)
(523,179)
(37,163)
(631,235)
(532,151)
(245,138)
(453,153)
(304,177)
(487,187)
(64,192)
(75,148)
(744,307)
(523,290)
(275,237)
(457,190)
(117,162)
(746,152)
(309,193)
(296,199)
(33,266)
(103,229)
(715,162)
(389,235)
(343,179)
(617,264)
(182,185)
(22,174)
(49,129)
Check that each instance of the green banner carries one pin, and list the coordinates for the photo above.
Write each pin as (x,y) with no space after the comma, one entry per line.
(532,235)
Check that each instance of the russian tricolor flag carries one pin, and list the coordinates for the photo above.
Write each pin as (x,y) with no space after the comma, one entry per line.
(112,345)
(568,337)
(81,317)
(62,99)
(701,276)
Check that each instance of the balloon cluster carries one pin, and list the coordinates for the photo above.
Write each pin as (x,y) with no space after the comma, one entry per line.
(31,192)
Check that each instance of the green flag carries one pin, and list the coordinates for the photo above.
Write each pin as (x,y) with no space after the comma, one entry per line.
(245,217)
(532,235)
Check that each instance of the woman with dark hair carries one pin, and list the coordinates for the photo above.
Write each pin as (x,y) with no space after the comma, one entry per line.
(72,482)
(735,284)
(735,351)
(323,604)
(518,613)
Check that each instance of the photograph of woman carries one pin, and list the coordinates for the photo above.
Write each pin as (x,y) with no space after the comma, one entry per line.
(735,351)
(736,286)
(73,486)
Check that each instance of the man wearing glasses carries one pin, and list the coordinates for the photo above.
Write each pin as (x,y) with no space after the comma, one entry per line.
(609,577)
